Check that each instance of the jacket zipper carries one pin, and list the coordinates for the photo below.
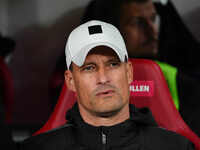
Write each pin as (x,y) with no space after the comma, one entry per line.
(104,140)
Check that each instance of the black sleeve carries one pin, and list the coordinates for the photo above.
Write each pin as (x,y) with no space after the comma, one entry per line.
(190,146)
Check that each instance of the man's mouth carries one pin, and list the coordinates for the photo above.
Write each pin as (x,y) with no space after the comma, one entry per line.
(105,93)
(150,42)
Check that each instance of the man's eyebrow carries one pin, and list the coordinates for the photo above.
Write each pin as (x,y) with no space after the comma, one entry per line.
(88,63)
(114,59)
(134,17)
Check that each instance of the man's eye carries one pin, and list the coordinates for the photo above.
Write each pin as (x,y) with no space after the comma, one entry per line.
(135,21)
(154,18)
(115,64)
(139,22)
(88,68)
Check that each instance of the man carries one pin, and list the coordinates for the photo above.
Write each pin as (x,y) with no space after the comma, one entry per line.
(139,27)
(100,74)
(138,24)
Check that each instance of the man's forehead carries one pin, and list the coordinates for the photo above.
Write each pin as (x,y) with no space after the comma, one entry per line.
(102,50)
(139,9)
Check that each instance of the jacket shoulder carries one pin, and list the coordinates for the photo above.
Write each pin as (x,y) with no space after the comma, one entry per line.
(55,139)
(160,138)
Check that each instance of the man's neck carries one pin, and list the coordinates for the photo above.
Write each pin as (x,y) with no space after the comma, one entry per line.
(95,120)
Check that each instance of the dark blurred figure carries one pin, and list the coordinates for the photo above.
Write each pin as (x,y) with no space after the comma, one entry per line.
(6,140)
(176,45)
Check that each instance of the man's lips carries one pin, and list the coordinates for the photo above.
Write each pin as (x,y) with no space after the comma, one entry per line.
(105,93)
(150,42)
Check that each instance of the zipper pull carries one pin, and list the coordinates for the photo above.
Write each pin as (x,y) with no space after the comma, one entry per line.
(103,138)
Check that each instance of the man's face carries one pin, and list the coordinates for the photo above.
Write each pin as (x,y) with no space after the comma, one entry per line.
(102,83)
(139,28)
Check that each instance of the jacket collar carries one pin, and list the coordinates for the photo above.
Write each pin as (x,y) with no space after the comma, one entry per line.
(115,135)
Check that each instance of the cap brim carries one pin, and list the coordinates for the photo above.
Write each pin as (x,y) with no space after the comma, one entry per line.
(80,58)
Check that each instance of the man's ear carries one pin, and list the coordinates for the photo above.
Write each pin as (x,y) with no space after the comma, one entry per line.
(129,72)
(69,80)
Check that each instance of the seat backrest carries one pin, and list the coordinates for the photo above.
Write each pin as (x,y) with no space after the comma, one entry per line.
(7,90)
(149,89)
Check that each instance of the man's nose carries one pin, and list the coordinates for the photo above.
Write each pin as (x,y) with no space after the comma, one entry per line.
(102,76)
(150,29)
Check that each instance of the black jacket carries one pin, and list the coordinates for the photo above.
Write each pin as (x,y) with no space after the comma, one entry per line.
(137,133)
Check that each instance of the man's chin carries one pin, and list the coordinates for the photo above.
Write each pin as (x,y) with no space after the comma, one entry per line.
(107,114)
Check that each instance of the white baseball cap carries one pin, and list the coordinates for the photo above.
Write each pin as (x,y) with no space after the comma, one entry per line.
(90,35)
